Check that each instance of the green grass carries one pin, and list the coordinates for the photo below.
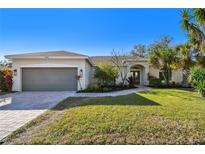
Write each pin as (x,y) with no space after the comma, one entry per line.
(152,117)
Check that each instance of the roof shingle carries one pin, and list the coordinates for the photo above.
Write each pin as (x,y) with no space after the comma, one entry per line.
(47,54)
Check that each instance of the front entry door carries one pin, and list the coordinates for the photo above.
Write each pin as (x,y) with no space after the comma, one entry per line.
(136,76)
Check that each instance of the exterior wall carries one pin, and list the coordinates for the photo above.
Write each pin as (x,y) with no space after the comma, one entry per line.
(18,64)
(88,71)
(177,75)
(83,64)
(153,72)
(119,80)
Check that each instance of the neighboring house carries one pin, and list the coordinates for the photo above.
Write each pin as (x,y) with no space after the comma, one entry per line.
(60,70)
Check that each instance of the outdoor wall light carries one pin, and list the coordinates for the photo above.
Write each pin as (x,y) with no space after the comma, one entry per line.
(15,72)
(81,73)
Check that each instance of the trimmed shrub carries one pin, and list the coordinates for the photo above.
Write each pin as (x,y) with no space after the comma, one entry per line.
(158,83)
(196,75)
(177,84)
(200,86)
(93,87)
(197,78)
(106,74)
(155,82)
(107,89)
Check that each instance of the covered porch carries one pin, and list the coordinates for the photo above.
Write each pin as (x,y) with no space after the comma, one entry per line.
(139,73)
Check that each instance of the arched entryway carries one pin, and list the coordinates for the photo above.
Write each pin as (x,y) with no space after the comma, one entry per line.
(137,72)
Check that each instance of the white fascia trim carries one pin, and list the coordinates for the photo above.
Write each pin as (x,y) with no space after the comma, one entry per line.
(49,65)
(49,57)
(63,57)
(136,60)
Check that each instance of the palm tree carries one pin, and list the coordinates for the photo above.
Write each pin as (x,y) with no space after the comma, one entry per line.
(193,22)
(185,52)
(163,57)
(200,59)
(200,16)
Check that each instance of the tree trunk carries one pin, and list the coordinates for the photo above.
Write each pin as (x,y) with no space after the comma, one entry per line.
(185,79)
(166,76)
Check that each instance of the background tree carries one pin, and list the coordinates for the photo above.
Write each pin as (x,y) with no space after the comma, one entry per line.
(200,59)
(119,60)
(193,22)
(163,57)
(185,52)
(4,64)
(139,50)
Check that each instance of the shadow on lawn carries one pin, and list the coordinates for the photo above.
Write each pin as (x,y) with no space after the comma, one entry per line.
(132,99)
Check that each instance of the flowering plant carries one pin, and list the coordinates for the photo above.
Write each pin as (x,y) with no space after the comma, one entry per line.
(6,78)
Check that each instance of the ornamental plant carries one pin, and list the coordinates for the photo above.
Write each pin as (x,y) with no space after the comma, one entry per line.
(2,85)
(6,79)
(197,77)
(106,74)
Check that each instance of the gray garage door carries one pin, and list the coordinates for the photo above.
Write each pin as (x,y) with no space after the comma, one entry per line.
(49,79)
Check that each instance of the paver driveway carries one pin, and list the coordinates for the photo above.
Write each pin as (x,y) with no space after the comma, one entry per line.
(16,109)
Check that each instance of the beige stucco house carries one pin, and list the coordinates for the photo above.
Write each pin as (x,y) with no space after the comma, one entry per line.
(68,71)
(140,69)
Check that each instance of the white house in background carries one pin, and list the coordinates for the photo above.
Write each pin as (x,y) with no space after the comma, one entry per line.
(68,71)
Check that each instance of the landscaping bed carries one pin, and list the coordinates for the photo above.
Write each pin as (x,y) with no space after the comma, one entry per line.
(105,89)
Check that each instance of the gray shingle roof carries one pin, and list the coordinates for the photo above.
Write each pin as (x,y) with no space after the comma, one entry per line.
(47,54)
(97,60)
(101,60)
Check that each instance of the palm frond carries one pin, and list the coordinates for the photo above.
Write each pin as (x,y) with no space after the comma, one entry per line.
(199,14)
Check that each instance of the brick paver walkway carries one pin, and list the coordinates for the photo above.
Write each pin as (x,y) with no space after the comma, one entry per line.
(17,109)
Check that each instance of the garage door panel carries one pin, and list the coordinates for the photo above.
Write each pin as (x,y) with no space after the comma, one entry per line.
(49,79)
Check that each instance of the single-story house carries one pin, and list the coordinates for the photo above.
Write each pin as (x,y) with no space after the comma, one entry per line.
(69,71)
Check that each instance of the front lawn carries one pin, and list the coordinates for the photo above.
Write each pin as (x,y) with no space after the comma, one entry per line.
(152,117)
